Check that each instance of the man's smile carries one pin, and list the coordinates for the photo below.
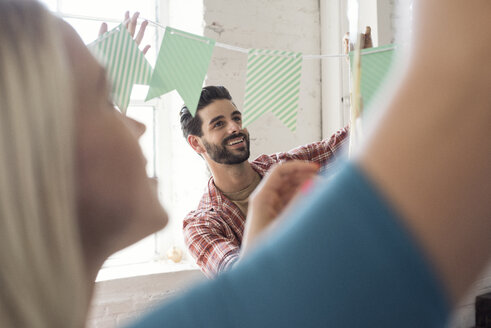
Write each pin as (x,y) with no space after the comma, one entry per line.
(236,141)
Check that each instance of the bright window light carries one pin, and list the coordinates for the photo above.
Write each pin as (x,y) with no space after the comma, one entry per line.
(182,174)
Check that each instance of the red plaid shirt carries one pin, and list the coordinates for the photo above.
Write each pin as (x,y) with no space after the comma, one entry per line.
(213,232)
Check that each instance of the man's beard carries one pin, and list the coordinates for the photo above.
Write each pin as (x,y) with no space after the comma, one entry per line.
(220,153)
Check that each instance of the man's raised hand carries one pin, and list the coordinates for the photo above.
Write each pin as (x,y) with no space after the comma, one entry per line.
(130,24)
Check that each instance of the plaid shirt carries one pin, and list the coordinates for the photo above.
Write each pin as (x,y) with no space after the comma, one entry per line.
(213,232)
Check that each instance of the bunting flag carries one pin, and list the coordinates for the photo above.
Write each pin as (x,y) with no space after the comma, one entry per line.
(375,63)
(182,64)
(125,63)
(272,85)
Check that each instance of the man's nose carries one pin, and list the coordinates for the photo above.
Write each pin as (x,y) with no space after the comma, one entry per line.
(234,127)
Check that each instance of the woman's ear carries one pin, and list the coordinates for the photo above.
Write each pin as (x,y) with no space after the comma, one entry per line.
(195,143)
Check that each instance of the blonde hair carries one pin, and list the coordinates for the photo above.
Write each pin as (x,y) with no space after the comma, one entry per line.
(42,276)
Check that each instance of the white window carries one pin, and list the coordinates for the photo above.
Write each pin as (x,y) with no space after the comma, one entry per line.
(182,174)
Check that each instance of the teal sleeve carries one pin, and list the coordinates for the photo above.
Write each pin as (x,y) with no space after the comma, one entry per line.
(342,259)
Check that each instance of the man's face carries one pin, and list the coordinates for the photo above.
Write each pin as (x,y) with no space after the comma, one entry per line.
(223,137)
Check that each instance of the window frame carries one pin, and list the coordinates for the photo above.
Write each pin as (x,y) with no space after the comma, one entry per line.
(153,257)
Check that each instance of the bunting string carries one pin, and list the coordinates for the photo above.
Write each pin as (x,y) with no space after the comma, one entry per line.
(219,44)
(272,81)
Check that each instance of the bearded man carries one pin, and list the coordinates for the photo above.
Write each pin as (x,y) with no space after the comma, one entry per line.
(213,232)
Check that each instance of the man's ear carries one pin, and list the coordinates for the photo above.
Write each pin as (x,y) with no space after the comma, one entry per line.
(195,143)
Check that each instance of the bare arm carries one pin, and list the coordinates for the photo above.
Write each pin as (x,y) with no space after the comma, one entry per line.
(431,153)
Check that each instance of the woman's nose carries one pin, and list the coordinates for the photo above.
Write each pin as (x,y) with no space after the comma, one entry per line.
(136,127)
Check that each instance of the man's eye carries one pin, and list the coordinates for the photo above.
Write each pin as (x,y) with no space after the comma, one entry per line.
(218,124)
(237,119)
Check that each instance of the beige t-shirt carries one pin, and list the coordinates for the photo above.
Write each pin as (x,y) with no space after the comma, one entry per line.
(241,198)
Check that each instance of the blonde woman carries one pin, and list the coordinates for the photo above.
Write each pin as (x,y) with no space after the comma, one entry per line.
(73,187)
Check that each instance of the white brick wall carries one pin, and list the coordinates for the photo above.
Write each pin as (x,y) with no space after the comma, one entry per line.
(118,301)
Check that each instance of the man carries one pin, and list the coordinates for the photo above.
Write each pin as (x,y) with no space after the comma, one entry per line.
(213,232)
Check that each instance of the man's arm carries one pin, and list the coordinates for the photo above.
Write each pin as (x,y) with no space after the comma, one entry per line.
(213,248)
(324,152)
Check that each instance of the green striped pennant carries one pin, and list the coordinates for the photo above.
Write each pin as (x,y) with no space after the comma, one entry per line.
(273,85)
(182,64)
(124,62)
(375,67)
